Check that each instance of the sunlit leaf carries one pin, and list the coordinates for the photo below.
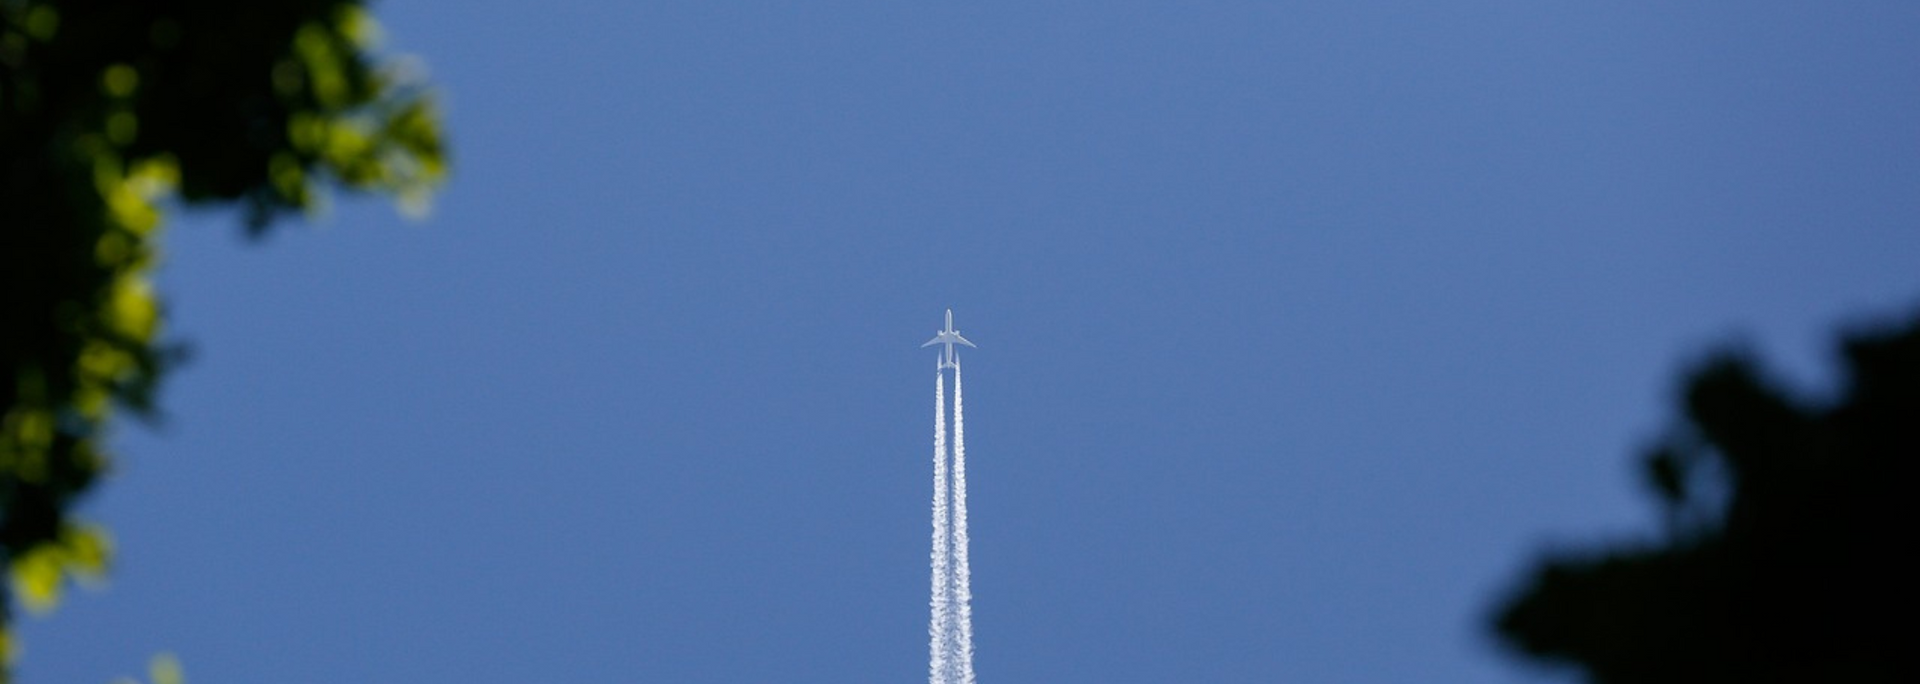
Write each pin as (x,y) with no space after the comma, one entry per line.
(165,669)
(36,578)
(119,80)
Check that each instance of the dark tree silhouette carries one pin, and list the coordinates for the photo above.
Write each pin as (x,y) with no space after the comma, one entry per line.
(1790,551)
(110,112)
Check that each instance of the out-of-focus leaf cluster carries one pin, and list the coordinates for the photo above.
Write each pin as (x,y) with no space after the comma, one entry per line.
(1790,550)
(163,669)
(111,111)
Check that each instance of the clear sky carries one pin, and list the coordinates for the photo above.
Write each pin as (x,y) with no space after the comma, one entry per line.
(1303,328)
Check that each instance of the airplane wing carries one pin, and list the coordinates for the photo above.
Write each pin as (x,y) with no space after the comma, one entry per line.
(961,340)
(934,341)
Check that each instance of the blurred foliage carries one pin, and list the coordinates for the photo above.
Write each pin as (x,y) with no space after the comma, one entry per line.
(110,112)
(1790,546)
(163,669)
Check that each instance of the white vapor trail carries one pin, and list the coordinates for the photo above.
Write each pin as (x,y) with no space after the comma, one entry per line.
(962,572)
(950,630)
(938,635)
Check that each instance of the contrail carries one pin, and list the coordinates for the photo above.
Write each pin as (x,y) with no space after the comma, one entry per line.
(950,629)
(963,573)
(938,637)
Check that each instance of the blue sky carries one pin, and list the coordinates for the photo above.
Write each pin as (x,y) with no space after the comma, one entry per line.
(1303,328)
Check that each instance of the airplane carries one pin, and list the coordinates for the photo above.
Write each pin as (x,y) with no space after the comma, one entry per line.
(948,337)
